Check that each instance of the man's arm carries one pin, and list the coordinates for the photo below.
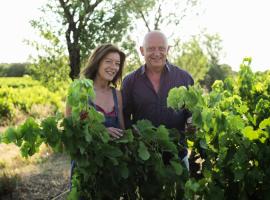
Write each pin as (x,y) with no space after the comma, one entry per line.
(126,91)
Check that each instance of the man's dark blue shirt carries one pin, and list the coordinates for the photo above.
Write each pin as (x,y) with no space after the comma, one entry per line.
(140,100)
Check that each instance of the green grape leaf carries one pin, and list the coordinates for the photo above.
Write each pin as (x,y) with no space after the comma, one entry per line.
(206,118)
(143,151)
(176,97)
(126,138)
(235,122)
(104,135)
(87,135)
(242,109)
(191,98)
(124,171)
(265,123)
(177,167)
(10,135)
(192,185)
(30,130)
(111,151)
(250,133)
(50,131)
(218,86)
(74,194)
(162,133)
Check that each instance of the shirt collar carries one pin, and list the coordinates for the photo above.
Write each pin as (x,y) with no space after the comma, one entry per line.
(167,67)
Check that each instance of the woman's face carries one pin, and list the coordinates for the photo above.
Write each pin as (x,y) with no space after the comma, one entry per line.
(109,66)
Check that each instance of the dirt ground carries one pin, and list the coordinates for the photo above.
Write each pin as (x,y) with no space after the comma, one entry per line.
(44,176)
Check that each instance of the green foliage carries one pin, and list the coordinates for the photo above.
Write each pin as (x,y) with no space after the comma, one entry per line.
(213,47)
(255,90)
(232,137)
(133,61)
(106,25)
(79,27)
(72,29)
(200,57)
(128,166)
(216,72)
(79,94)
(157,15)
(193,59)
(26,81)
(6,109)
(51,66)
(143,164)
(51,71)
(23,94)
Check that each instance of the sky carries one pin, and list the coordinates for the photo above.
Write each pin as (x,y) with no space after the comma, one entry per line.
(243,26)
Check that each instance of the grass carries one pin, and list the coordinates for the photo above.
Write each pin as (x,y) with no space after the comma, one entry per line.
(27,178)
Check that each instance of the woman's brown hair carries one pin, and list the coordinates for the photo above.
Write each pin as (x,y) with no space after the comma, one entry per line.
(91,69)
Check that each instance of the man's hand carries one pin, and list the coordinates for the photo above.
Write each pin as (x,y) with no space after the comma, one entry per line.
(115,133)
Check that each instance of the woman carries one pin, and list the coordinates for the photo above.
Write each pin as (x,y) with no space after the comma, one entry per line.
(105,67)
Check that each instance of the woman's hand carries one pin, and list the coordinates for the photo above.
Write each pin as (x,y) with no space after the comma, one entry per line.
(115,132)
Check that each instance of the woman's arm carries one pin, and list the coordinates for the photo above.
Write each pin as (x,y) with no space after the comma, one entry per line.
(120,109)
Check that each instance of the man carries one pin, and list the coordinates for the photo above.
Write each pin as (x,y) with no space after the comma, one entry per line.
(145,90)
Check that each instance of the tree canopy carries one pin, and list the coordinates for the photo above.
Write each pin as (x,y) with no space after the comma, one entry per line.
(72,29)
(84,25)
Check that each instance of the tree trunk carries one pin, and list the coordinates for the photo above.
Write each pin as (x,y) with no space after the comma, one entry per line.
(72,37)
(74,58)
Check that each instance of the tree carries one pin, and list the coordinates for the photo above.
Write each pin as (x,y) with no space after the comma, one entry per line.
(132,56)
(154,15)
(50,66)
(159,14)
(216,72)
(191,57)
(212,43)
(84,25)
(200,56)
(13,69)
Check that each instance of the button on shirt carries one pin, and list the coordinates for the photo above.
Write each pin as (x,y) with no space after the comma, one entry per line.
(140,101)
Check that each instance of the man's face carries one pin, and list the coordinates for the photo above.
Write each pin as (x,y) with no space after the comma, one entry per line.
(155,51)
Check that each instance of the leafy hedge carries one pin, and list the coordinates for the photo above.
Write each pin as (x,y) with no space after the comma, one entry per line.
(232,141)
(143,163)
(22,94)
